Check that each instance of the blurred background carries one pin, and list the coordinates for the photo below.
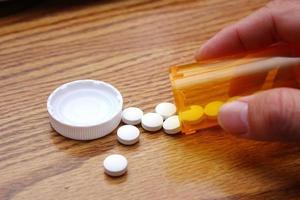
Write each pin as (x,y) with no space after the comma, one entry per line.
(9,7)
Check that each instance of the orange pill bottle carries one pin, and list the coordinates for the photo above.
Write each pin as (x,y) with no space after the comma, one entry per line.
(200,89)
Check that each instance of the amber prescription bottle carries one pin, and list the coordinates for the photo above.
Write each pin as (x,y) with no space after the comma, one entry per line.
(200,89)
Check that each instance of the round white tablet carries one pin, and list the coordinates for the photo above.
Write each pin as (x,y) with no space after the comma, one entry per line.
(152,122)
(172,125)
(166,109)
(128,134)
(132,115)
(115,165)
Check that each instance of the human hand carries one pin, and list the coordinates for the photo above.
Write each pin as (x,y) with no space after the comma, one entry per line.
(272,114)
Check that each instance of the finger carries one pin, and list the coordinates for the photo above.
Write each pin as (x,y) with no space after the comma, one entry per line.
(269,115)
(277,22)
(241,37)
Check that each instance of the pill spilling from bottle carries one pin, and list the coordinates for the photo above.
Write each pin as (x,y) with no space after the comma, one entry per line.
(128,134)
(115,165)
(164,117)
(132,116)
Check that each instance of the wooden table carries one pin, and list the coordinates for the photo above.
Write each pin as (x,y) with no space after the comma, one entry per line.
(129,44)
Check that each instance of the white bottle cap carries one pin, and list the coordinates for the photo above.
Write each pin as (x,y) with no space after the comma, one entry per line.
(85,109)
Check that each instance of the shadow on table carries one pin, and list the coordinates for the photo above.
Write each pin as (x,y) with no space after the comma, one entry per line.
(83,149)
(38,8)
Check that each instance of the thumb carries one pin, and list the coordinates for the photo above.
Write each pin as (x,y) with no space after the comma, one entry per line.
(268,115)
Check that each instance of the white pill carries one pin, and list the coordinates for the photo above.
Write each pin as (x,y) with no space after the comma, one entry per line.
(132,115)
(128,134)
(166,109)
(152,122)
(172,125)
(115,165)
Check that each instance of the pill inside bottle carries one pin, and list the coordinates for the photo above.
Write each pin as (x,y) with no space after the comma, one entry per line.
(201,89)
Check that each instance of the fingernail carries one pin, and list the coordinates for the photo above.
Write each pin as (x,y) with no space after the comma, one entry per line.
(233,117)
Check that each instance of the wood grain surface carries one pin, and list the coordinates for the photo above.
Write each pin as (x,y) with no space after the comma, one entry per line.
(130,44)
